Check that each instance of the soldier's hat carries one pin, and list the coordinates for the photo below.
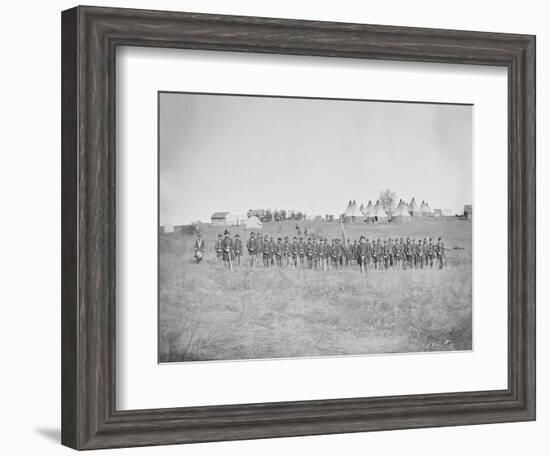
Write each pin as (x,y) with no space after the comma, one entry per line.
(278,239)
(385,242)
(226,232)
(439,238)
(295,238)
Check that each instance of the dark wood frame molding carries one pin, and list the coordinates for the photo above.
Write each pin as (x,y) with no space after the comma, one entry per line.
(90,36)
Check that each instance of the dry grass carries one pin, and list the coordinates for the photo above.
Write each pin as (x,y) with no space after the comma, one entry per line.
(209,313)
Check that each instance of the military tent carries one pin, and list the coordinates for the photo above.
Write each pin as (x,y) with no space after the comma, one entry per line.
(401,213)
(168,228)
(253,222)
(352,214)
(378,214)
(426,210)
(413,208)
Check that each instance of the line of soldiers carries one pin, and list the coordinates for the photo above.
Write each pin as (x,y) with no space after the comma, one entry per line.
(321,254)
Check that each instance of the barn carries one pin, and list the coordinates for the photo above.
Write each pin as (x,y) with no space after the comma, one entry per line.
(223,219)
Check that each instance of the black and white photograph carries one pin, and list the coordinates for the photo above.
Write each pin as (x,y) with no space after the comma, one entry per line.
(305,227)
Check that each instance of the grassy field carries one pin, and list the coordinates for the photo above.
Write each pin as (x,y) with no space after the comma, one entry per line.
(207,312)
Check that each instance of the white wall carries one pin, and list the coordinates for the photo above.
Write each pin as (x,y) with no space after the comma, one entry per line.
(30,239)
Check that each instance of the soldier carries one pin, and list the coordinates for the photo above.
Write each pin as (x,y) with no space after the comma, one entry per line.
(228,250)
(407,258)
(386,254)
(425,253)
(279,252)
(272,251)
(398,253)
(362,253)
(440,253)
(315,255)
(354,253)
(309,254)
(265,253)
(252,247)
(218,248)
(287,251)
(376,253)
(370,251)
(391,253)
(199,248)
(301,251)
(394,253)
(348,253)
(421,254)
(238,249)
(323,254)
(294,251)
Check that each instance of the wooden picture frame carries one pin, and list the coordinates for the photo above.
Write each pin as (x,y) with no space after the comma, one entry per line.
(90,36)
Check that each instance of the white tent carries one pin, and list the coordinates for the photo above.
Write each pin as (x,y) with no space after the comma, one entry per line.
(413,209)
(253,222)
(352,213)
(378,213)
(168,228)
(401,213)
(368,209)
(426,210)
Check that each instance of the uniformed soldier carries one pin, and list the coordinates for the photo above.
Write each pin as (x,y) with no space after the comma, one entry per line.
(287,251)
(370,250)
(199,248)
(323,247)
(309,254)
(399,253)
(218,248)
(386,254)
(252,248)
(272,246)
(354,253)
(316,255)
(391,253)
(440,253)
(421,254)
(228,251)
(348,253)
(301,251)
(238,249)
(265,253)
(362,253)
(407,260)
(376,254)
(294,251)
(279,252)
(425,252)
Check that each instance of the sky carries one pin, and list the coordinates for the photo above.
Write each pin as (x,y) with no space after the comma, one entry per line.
(234,153)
